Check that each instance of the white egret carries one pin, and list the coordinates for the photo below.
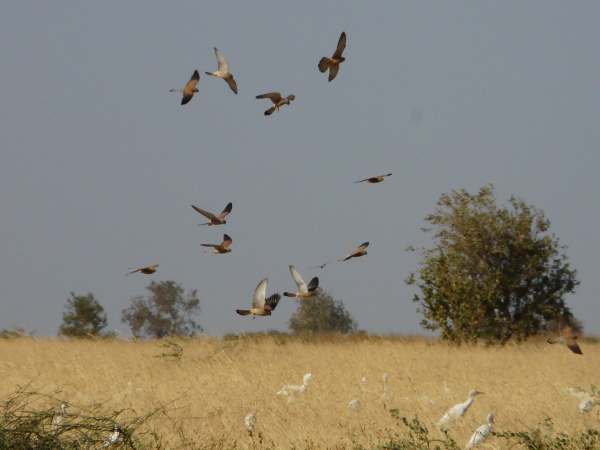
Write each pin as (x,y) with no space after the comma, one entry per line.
(481,433)
(60,417)
(459,410)
(113,437)
(354,404)
(250,422)
(585,406)
(291,389)
(386,396)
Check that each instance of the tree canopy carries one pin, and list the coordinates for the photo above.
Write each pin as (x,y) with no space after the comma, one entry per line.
(164,312)
(84,317)
(494,273)
(321,313)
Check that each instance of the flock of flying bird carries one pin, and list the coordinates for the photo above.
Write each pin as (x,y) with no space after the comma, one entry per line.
(261,304)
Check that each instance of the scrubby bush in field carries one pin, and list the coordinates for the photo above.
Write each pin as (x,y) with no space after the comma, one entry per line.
(495,273)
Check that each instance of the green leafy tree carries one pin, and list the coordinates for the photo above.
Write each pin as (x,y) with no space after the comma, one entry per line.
(494,273)
(164,312)
(321,313)
(84,317)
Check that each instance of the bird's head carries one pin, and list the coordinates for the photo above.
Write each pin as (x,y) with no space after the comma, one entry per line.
(474,393)
(342,59)
(196,90)
(490,418)
(224,222)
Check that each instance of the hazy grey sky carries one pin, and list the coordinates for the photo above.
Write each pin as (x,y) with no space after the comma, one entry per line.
(100,163)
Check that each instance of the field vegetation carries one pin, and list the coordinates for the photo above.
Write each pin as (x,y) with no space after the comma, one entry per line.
(196,393)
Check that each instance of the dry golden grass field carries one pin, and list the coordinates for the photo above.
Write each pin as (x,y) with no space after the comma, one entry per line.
(215,383)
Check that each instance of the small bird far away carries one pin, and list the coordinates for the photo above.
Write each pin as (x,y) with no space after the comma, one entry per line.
(567,336)
(277,101)
(223,71)
(147,270)
(220,248)
(333,64)
(360,251)
(321,266)
(261,306)
(303,289)
(378,179)
(189,89)
(214,220)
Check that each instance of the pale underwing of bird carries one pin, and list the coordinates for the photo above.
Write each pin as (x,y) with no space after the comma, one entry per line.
(189,89)
(303,289)
(321,266)
(147,270)
(223,71)
(261,306)
(360,251)
(220,248)
(214,220)
(378,179)
(567,336)
(333,63)
(459,410)
(277,100)
(481,433)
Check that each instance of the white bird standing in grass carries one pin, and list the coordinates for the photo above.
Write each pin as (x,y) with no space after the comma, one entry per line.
(386,396)
(354,404)
(291,389)
(459,410)
(585,406)
(250,422)
(481,433)
(113,437)
(60,417)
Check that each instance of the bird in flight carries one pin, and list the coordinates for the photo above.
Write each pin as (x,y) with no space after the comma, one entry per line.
(360,251)
(321,266)
(261,306)
(189,89)
(277,101)
(223,71)
(378,179)
(459,410)
(303,289)
(214,220)
(567,336)
(220,248)
(333,64)
(147,270)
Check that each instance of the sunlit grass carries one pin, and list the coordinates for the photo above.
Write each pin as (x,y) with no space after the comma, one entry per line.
(211,385)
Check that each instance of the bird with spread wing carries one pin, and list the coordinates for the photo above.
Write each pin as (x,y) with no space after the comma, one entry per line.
(189,89)
(567,335)
(303,289)
(147,270)
(261,306)
(333,63)
(378,179)
(220,248)
(277,100)
(223,71)
(214,220)
(360,251)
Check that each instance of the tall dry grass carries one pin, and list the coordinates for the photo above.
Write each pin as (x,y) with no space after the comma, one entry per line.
(216,383)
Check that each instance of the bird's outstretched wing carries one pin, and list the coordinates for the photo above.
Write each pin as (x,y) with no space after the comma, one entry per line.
(226,211)
(569,337)
(271,302)
(313,285)
(274,96)
(340,47)
(259,294)
(223,66)
(232,84)
(204,213)
(226,241)
(299,280)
